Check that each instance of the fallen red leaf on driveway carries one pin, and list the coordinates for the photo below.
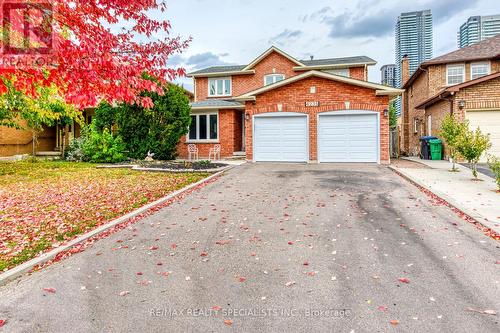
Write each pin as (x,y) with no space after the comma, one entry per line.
(404,280)
(242,279)
(382,308)
(228,322)
(2,322)
(394,322)
(50,290)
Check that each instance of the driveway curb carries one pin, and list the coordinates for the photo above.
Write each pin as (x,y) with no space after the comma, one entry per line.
(475,217)
(20,270)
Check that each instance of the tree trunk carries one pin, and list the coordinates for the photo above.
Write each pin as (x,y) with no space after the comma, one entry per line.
(33,146)
(63,147)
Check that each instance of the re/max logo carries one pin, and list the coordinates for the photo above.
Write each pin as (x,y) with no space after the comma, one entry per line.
(27,27)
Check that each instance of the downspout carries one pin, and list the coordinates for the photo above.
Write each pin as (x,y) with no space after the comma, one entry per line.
(194,88)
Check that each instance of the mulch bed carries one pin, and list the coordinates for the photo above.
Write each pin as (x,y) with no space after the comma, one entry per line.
(196,165)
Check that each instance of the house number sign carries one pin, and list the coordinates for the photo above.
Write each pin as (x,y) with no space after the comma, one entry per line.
(312,104)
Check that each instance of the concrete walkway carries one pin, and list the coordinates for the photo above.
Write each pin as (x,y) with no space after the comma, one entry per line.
(477,199)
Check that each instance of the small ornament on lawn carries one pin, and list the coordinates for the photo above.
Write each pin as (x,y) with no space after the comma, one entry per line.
(149,157)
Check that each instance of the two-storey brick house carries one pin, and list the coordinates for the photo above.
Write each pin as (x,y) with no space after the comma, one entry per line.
(464,83)
(278,108)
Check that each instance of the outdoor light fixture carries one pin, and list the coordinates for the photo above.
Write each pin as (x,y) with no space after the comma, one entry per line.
(386,112)
(461,104)
(247,117)
(280,107)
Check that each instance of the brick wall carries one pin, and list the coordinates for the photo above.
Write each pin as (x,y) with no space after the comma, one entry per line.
(332,96)
(230,134)
(245,83)
(18,142)
(274,63)
(414,95)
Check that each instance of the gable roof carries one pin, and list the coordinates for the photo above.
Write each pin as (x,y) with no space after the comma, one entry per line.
(380,89)
(455,88)
(268,52)
(485,50)
(303,65)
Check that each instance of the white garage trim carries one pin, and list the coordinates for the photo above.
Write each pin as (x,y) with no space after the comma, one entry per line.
(352,113)
(280,114)
(488,120)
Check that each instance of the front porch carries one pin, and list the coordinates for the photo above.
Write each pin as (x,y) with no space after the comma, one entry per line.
(209,127)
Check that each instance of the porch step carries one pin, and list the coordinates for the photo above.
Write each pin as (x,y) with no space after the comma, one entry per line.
(48,153)
(239,153)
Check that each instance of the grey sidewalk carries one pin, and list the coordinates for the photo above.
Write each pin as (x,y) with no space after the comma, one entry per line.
(477,199)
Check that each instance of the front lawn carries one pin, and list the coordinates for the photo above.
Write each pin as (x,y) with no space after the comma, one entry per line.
(45,203)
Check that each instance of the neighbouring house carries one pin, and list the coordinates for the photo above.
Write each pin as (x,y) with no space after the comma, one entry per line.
(49,141)
(464,83)
(279,108)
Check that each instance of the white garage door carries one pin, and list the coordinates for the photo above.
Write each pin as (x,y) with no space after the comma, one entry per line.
(280,138)
(348,138)
(489,123)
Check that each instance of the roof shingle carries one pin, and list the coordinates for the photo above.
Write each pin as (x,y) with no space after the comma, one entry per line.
(486,49)
(314,62)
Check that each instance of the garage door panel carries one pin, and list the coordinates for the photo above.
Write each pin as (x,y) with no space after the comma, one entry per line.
(281,139)
(348,138)
(489,123)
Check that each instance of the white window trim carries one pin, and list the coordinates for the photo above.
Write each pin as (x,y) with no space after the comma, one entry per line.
(480,63)
(208,114)
(223,80)
(273,75)
(463,73)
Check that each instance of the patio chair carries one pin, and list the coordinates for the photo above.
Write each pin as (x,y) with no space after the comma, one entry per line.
(192,152)
(215,152)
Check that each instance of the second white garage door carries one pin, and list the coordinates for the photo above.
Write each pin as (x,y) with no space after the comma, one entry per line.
(489,123)
(348,138)
(280,138)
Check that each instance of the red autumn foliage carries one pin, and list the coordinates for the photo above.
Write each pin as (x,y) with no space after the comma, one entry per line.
(98,49)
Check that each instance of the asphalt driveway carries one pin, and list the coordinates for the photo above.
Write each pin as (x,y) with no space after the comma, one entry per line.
(275,247)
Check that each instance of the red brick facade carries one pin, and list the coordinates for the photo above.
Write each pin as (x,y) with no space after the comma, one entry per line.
(332,96)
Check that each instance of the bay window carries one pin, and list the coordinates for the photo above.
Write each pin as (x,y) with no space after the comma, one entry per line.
(204,127)
(218,87)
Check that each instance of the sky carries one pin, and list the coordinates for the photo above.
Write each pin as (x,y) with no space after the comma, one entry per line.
(228,32)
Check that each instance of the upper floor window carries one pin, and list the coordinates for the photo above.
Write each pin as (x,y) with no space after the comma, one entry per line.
(455,74)
(479,69)
(273,78)
(340,71)
(219,87)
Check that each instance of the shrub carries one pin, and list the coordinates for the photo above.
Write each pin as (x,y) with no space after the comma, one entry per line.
(494,164)
(158,129)
(74,152)
(103,147)
(451,130)
(471,145)
(104,117)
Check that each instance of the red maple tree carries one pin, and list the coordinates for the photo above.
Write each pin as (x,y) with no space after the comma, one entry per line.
(98,49)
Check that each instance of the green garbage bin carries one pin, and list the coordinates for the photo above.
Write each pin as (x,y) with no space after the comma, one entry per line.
(436,146)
